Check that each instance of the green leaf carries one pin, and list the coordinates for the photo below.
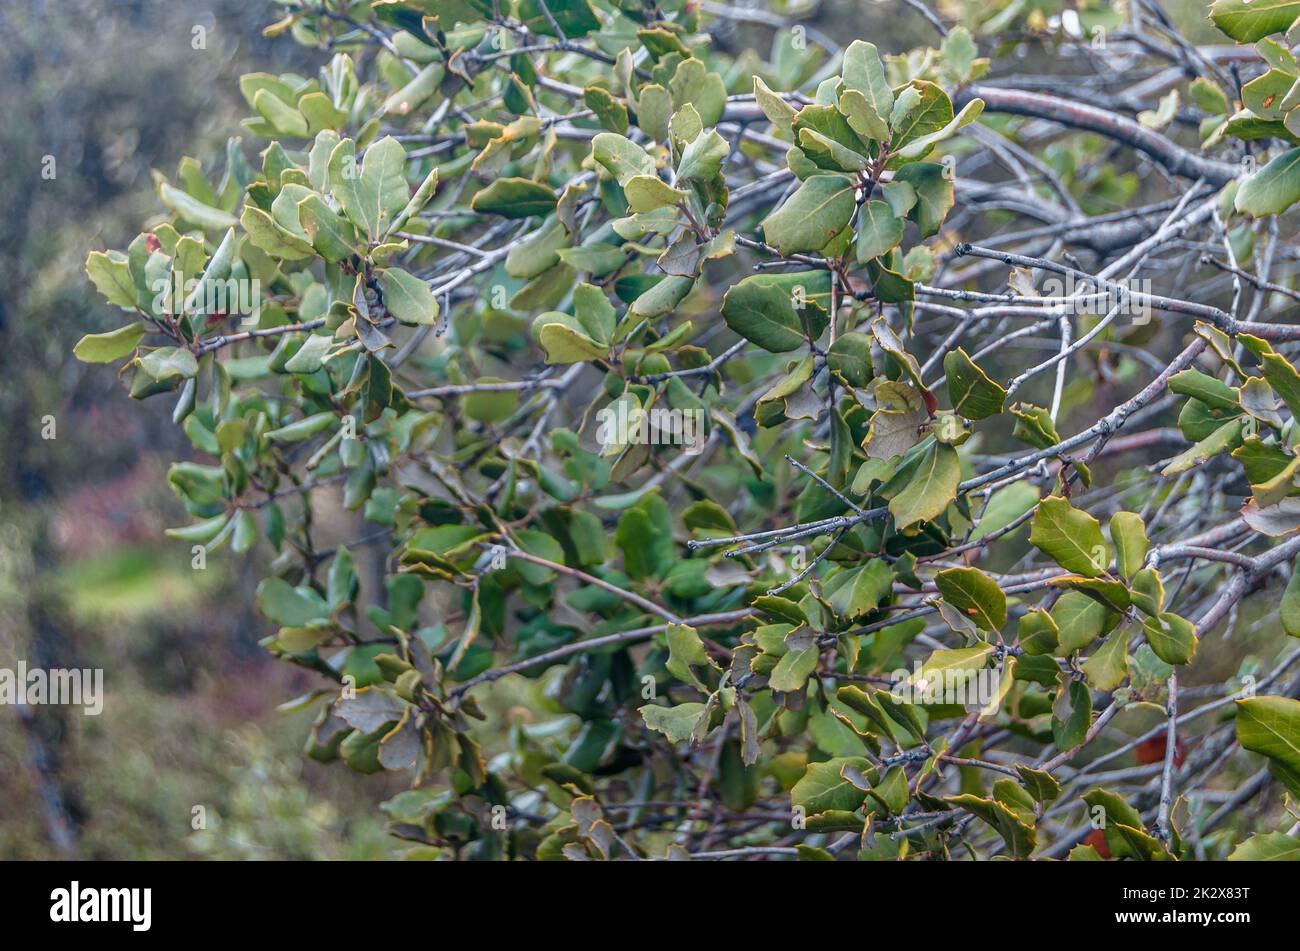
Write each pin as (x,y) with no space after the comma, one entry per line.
(111,274)
(1108,666)
(1271,726)
(1247,126)
(934,194)
(1208,97)
(973,394)
(310,356)
(1129,533)
(1080,620)
(1224,439)
(932,486)
(293,607)
(645,535)
(859,591)
(200,533)
(1071,714)
(793,669)
(1261,461)
(684,649)
(779,112)
(1070,537)
(1034,426)
(693,85)
(774,606)
(1148,592)
(539,545)
(565,339)
(539,252)
(1282,376)
(622,157)
(824,788)
(920,110)
(892,792)
(1040,784)
(890,286)
(110,346)
(1209,390)
(975,595)
(421,197)
(1016,833)
(168,362)
(595,312)
(878,231)
(662,298)
(850,357)
(862,118)
(1249,20)
(611,112)
(1037,632)
(827,151)
(811,853)
(266,234)
(959,52)
(891,343)
(921,145)
(330,233)
(648,192)
(193,210)
(1265,94)
(514,198)
(1273,490)
(598,260)
(342,585)
(1140,844)
(1125,835)
(654,111)
(413,94)
(702,159)
(214,274)
(1111,594)
(407,297)
(304,428)
(321,114)
(1273,189)
(284,118)
(1290,606)
(677,723)
(372,195)
(764,314)
(284,210)
(1173,638)
(1267,847)
(813,215)
(864,72)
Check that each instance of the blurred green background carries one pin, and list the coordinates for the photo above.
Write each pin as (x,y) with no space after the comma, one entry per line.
(111,89)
